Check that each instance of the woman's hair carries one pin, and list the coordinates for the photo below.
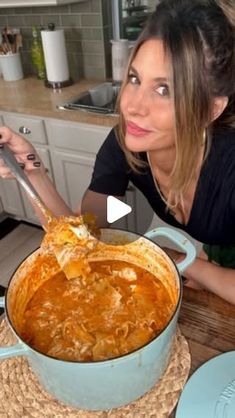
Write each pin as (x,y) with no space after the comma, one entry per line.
(199,38)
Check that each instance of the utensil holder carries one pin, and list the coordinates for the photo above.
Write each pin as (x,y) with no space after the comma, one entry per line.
(11,67)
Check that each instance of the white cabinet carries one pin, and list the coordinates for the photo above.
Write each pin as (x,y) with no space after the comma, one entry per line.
(33,128)
(73,149)
(72,175)
(75,137)
(11,198)
(10,194)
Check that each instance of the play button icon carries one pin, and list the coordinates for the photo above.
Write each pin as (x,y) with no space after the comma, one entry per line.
(116,209)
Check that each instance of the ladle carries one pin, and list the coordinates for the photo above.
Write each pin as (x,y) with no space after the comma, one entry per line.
(81,231)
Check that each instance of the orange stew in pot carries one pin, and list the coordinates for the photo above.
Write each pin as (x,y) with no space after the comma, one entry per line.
(116,309)
(111,308)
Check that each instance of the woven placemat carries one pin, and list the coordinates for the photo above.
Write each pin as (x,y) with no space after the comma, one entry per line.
(21,395)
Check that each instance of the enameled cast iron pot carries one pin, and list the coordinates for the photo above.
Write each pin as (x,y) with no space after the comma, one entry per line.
(111,383)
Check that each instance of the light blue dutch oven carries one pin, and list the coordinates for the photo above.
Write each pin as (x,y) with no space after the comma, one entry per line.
(111,383)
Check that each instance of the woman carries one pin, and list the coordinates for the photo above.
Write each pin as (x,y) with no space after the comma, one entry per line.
(176,136)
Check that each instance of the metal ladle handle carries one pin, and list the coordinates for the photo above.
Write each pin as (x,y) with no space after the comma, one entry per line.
(19,174)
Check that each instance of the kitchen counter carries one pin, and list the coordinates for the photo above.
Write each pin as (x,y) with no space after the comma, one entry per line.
(30,96)
(208,323)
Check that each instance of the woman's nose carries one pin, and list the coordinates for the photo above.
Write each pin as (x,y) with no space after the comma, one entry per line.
(137,104)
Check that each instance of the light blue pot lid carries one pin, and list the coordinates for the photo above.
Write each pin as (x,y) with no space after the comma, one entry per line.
(210,392)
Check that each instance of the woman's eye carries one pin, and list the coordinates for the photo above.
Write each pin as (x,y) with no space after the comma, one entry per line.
(163,90)
(133,79)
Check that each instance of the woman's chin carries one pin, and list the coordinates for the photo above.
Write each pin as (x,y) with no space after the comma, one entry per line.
(134,145)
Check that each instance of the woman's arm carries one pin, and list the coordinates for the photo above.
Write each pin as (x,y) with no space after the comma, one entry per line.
(204,274)
(210,276)
(27,157)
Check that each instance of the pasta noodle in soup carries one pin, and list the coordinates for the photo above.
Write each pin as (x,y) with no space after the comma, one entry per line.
(116,309)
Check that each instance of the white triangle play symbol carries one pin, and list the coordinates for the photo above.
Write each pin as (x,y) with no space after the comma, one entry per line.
(116,209)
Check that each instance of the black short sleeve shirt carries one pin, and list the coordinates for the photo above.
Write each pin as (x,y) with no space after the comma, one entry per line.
(212,218)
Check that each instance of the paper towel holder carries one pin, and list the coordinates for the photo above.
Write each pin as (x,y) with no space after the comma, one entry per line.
(57,85)
(62,79)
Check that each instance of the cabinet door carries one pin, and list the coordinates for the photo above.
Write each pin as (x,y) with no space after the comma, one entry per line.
(72,178)
(72,175)
(11,200)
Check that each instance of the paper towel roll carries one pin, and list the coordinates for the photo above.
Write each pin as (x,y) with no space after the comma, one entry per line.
(55,55)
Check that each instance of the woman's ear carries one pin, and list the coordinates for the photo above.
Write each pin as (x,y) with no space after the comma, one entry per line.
(218,106)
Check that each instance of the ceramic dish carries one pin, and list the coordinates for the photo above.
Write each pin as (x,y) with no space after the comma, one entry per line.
(210,392)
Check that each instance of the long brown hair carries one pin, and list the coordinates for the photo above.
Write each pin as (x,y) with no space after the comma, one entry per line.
(198,36)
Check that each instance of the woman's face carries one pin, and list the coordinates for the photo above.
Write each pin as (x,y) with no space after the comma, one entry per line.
(147,100)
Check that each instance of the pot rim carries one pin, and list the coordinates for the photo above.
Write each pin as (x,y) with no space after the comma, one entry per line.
(113,359)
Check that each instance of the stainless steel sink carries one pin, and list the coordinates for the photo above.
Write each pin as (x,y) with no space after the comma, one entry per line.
(99,99)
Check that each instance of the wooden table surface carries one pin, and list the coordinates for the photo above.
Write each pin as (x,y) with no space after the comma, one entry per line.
(208,323)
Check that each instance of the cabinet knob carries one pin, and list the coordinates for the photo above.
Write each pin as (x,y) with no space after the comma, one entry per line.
(24,130)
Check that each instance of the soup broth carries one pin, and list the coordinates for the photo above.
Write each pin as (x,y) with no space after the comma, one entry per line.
(116,309)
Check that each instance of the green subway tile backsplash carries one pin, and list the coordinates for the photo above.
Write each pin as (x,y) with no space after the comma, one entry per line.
(96,5)
(15,20)
(93,60)
(10,11)
(83,23)
(91,19)
(84,7)
(45,19)
(29,20)
(93,47)
(71,20)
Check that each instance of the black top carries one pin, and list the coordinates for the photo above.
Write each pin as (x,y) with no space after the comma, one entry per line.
(212,218)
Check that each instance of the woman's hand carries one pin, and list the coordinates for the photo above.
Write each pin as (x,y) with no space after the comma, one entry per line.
(177,256)
(23,151)
(26,155)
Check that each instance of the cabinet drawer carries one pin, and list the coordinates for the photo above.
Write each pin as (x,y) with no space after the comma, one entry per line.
(36,127)
(76,136)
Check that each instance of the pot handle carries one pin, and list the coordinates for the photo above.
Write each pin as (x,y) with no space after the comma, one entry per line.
(2,302)
(15,350)
(18,349)
(178,239)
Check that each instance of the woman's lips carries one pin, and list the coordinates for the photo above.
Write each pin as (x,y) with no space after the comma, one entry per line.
(135,130)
